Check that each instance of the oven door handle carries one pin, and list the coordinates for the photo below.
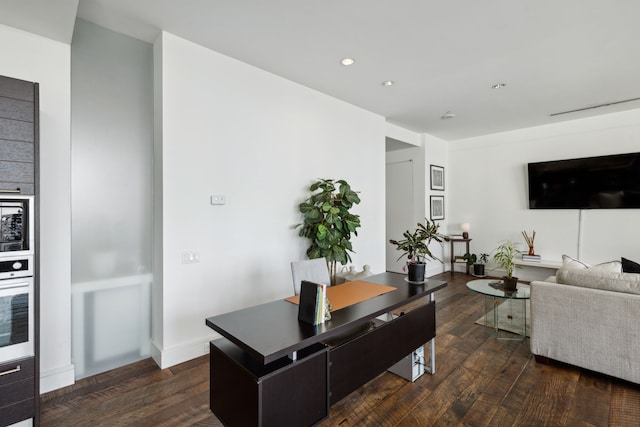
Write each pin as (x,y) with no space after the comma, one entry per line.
(16,286)
(11,190)
(11,371)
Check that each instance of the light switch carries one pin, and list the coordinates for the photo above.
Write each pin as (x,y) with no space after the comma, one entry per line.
(218,199)
(190,257)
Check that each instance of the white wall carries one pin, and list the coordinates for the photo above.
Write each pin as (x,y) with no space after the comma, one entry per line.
(403,135)
(29,57)
(488,187)
(436,153)
(231,129)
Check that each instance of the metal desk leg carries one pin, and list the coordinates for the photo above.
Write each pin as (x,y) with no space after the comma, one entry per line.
(432,347)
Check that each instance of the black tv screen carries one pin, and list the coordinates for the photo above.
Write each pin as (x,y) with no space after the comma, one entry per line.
(604,182)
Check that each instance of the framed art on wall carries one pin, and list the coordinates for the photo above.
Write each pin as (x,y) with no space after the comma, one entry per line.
(437,207)
(437,177)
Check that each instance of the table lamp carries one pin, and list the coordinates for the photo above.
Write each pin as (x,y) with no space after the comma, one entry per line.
(465,230)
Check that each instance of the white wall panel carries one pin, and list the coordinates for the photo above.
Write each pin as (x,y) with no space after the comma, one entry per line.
(231,129)
(112,148)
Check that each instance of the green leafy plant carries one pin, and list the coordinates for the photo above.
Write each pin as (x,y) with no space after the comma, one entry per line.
(327,222)
(473,259)
(415,245)
(505,254)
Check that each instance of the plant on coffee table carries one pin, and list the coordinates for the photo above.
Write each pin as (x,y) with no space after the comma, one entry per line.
(505,254)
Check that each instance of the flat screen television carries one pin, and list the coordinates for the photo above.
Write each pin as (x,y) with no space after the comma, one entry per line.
(604,182)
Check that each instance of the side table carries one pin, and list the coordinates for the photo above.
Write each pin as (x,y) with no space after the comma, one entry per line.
(452,242)
(503,311)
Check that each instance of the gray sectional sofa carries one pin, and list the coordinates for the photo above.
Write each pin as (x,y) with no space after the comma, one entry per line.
(589,317)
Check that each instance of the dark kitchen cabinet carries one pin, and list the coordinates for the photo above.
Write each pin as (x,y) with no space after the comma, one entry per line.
(18,135)
(17,384)
(19,139)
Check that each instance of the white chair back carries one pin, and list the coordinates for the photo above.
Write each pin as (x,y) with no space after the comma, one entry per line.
(313,270)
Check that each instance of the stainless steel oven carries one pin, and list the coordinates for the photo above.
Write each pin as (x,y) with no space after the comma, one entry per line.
(16,277)
(16,225)
(16,316)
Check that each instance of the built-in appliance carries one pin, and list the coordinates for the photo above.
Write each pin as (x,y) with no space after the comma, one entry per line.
(16,225)
(603,182)
(16,277)
(16,316)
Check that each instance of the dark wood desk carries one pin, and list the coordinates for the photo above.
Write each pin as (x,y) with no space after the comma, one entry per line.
(269,369)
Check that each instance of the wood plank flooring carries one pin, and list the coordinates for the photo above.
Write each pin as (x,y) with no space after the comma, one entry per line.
(479,381)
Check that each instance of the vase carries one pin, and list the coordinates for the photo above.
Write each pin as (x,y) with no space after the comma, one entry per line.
(531,251)
(366,272)
(351,274)
(416,272)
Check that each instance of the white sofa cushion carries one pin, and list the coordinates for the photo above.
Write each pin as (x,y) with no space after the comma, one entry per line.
(601,279)
(569,263)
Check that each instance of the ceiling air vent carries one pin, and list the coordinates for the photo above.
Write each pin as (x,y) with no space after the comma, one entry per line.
(595,106)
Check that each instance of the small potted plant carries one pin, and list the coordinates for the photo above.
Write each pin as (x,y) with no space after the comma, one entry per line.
(477,262)
(415,246)
(505,254)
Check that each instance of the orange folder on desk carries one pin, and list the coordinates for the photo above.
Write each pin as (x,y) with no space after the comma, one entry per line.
(350,293)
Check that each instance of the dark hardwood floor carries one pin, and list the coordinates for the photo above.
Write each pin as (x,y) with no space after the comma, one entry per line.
(480,381)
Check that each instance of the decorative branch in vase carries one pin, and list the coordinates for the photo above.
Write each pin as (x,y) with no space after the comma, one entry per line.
(529,240)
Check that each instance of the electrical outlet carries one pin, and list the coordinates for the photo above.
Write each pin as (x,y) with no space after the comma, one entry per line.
(218,199)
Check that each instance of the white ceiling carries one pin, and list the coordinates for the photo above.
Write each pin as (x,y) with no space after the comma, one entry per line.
(443,56)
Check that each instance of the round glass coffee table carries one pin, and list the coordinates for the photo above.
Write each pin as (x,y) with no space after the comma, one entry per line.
(505,312)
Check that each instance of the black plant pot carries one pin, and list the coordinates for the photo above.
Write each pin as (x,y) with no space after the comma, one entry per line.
(478,269)
(510,283)
(416,271)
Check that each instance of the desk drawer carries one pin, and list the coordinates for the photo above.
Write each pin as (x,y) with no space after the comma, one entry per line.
(245,393)
(356,362)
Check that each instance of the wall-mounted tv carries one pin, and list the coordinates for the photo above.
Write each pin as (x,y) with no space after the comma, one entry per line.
(604,182)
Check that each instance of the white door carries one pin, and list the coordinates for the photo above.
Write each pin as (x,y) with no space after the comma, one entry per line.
(399,210)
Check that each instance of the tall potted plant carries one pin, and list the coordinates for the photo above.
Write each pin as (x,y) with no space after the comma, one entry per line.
(415,246)
(327,222)
(505,254)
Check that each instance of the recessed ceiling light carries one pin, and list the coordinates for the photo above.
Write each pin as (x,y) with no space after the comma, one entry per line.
(347,61)
(498,86)
(448,115)
(388,83)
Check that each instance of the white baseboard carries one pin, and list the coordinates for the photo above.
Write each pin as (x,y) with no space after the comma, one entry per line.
(54,379)
(167,357)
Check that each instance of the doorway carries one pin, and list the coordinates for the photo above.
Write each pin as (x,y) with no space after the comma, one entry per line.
(405,195)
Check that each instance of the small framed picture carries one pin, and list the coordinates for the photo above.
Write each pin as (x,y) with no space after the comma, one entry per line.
(437,207)
(437,177)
